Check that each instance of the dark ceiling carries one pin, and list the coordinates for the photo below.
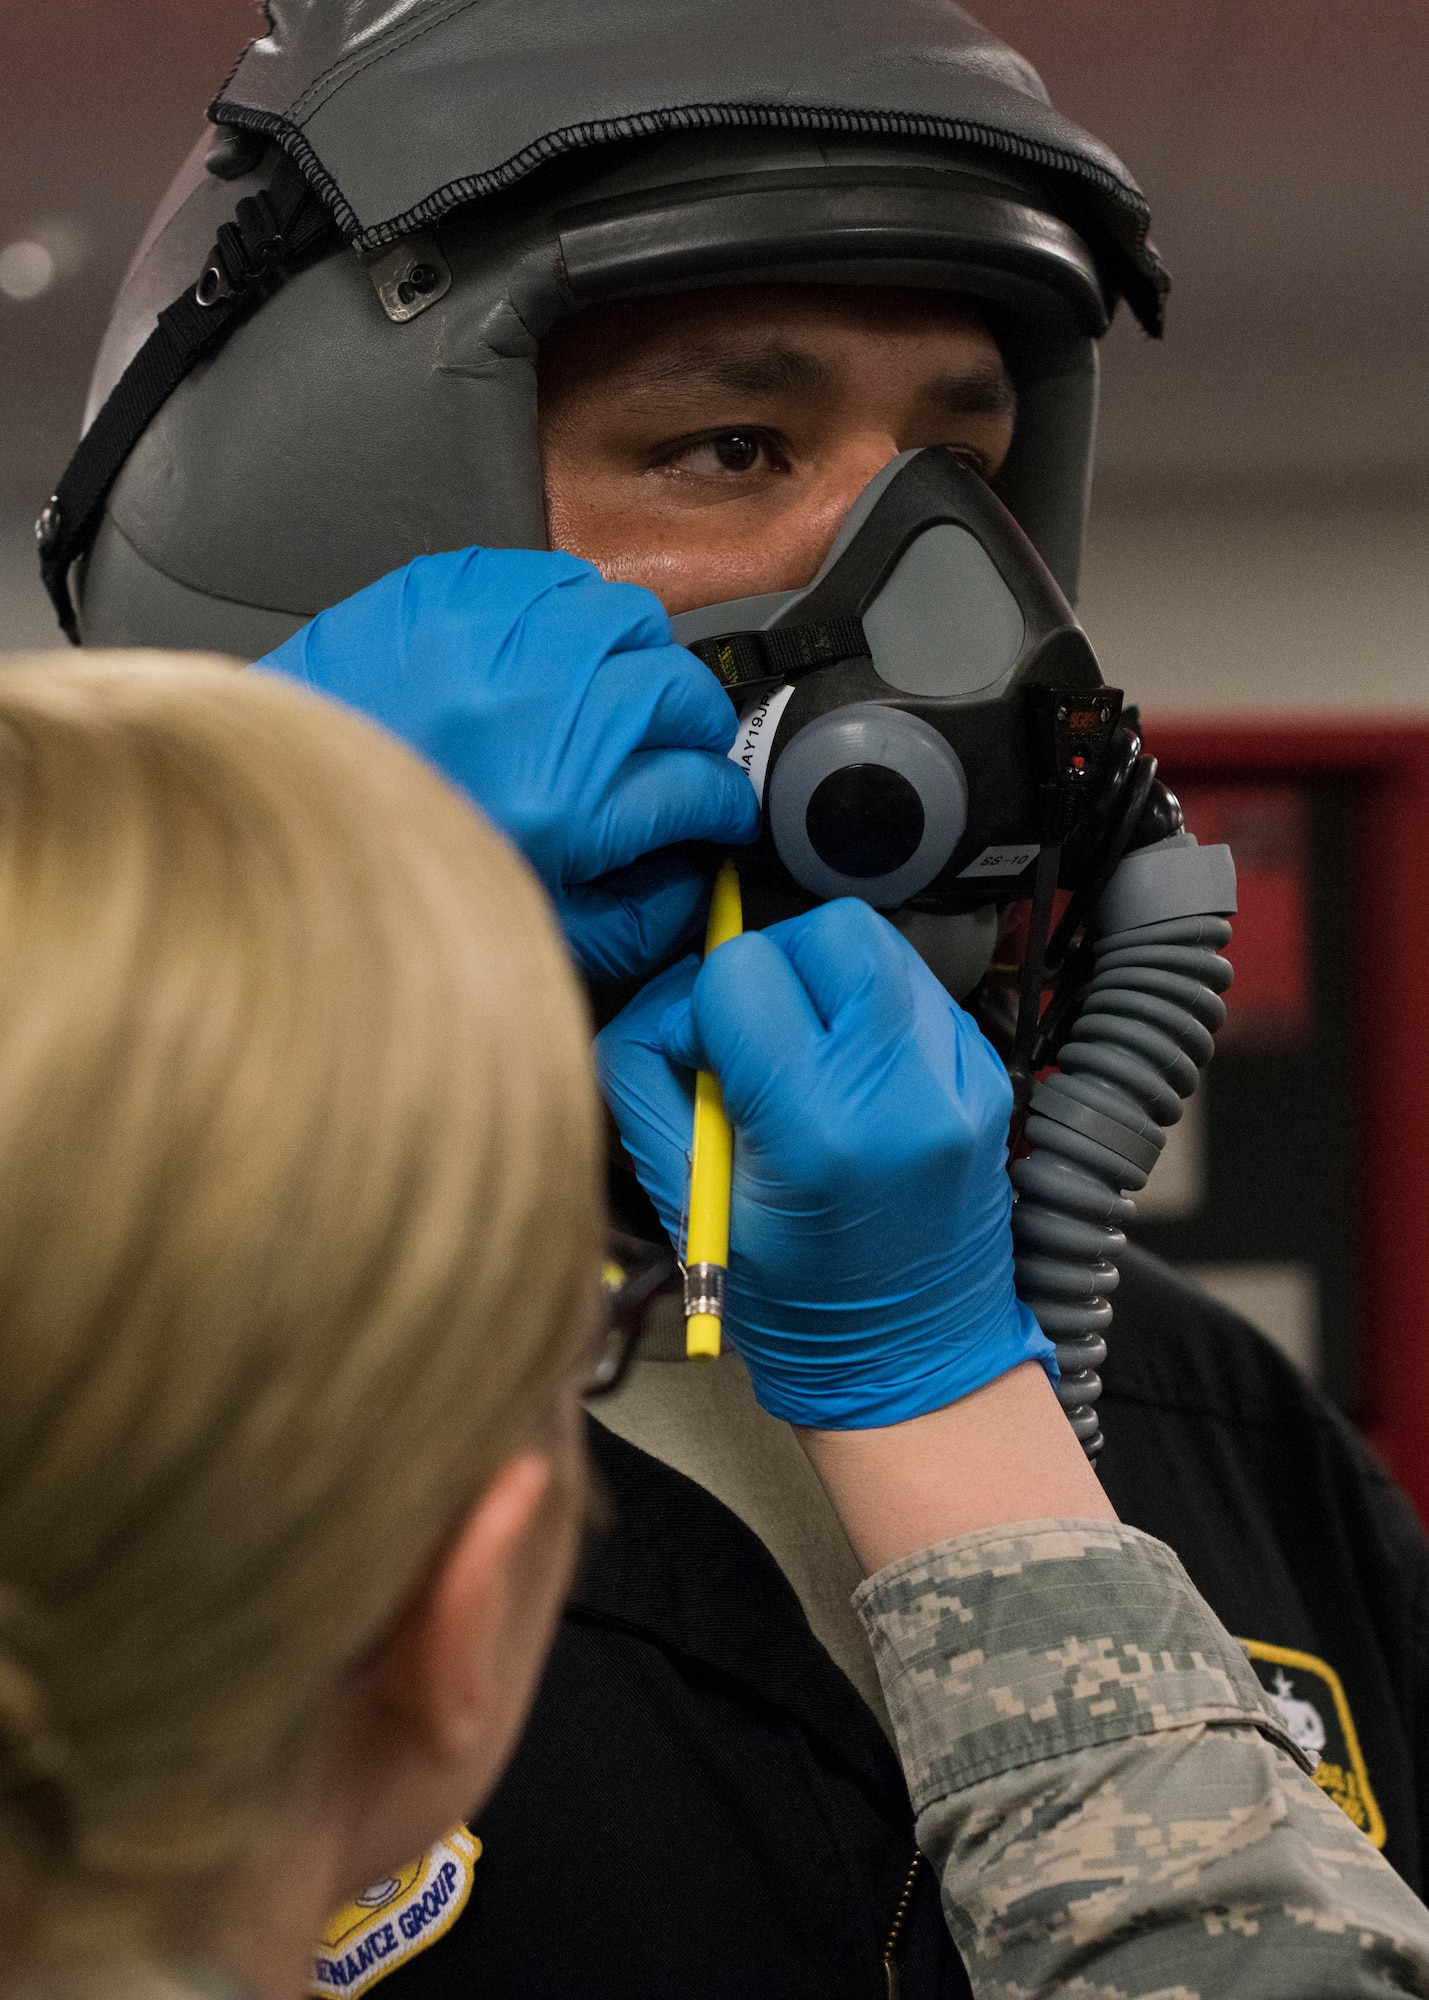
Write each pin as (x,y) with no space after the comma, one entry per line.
(1285,148)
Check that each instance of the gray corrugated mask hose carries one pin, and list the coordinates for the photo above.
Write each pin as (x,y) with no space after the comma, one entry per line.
(1096,1126)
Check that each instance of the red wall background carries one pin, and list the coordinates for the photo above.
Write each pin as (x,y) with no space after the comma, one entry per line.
(1385,769)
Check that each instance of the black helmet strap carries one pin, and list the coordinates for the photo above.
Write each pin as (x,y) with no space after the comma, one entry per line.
(270,232)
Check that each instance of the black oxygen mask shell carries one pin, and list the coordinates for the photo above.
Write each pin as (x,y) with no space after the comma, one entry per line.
(885,715)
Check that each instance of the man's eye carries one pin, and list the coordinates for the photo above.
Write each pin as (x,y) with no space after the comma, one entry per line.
(736,450)
(726,451)
(975,461)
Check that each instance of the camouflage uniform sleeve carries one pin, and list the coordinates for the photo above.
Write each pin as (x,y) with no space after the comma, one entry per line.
(1110,1803)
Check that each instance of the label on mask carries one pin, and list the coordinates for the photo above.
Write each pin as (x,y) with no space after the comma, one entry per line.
(758,726)
(1000,861)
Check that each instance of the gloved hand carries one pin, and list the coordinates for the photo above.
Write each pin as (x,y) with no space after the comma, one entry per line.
(558,703)
(870,1273)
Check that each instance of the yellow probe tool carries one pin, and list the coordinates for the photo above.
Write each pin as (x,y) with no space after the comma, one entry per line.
(711,1165)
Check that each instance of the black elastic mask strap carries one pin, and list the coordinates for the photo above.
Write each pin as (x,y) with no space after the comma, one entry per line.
(269,232)
(750,664)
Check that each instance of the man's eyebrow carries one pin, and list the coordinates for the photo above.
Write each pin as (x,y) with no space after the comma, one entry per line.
(982,392)
(771,369)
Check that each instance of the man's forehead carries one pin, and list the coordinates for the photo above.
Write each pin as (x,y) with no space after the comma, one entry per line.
(772,339)
(747,361)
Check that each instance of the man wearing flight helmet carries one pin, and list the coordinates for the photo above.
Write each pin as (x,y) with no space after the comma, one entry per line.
(666,286)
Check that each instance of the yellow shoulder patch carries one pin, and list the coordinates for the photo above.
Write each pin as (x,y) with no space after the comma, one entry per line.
(1312,1705)
(394,1920)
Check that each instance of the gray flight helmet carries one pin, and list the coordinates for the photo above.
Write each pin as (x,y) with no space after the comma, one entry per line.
(498,167)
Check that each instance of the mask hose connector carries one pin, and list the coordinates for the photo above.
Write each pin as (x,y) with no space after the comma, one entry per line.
(1140,1037)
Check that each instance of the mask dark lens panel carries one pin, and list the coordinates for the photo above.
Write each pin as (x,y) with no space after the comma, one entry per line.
(865,820)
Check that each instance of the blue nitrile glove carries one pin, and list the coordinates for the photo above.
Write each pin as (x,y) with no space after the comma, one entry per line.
(870,1273)
(558,704)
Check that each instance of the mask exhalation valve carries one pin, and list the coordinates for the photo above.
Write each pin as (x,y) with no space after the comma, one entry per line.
(865,820)
(867,801)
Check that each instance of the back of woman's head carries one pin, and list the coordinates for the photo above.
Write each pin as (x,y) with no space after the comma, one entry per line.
(297,1229)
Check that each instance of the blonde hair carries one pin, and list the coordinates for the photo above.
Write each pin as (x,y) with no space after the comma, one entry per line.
(298,1221)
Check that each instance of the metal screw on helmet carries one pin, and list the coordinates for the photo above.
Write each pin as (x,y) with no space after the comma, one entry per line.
(420,280)
(410,277)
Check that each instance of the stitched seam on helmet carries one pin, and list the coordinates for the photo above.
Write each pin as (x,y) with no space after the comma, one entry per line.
(470,187)
(295,145)
(355,65)
(642,124)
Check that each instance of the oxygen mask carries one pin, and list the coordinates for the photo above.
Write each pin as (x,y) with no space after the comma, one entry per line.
(928,729)
(924,720)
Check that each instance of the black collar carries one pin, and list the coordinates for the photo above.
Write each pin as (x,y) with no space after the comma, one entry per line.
(680,1568)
